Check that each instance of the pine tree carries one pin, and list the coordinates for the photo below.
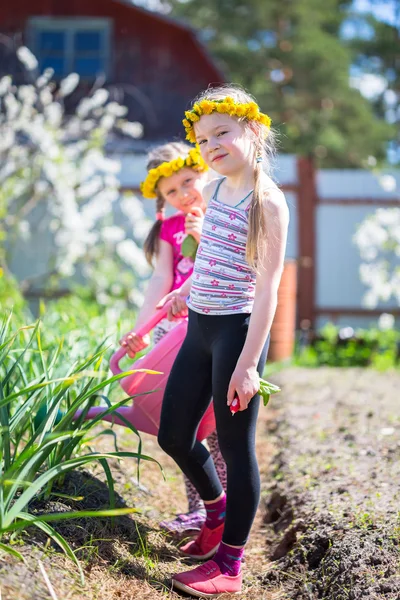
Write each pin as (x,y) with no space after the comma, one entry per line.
(290,56)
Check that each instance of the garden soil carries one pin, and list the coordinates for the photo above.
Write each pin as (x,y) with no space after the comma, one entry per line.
(328,525)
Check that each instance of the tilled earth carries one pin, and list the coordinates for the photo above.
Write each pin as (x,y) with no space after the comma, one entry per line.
(332,510)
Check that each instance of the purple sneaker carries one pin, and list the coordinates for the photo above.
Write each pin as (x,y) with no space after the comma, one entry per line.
(185,523)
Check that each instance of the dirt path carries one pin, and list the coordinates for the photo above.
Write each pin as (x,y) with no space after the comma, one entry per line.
(328,524)
(334,509)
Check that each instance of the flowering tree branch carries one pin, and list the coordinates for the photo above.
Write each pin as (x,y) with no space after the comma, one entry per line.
(56,163)
(378,240)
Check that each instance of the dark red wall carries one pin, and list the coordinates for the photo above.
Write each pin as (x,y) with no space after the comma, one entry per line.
(156,66)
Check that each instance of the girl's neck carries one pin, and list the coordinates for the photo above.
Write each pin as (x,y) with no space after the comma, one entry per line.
(240,182)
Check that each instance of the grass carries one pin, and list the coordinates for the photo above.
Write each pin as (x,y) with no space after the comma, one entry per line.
(36,454)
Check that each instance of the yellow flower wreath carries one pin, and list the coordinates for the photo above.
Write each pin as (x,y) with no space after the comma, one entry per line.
(194,160)
(228,106)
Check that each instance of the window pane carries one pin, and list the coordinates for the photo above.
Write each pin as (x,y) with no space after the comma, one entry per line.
(58,64)
(51,41)
(88,67)
(87,41)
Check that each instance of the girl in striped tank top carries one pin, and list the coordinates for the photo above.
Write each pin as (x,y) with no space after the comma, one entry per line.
(232,301)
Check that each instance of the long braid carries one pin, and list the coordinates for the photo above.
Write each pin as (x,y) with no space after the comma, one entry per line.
(257,222)
(151,245)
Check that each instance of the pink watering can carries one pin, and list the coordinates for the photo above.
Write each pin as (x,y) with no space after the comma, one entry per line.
(144,412)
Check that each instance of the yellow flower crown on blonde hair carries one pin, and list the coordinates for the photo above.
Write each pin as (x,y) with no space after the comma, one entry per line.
(194,160)
(227,106)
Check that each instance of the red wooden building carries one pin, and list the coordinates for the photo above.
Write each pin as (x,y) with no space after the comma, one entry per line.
(151,63)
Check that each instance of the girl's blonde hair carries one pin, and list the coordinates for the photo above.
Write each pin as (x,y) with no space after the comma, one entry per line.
(264,152)
(156,157)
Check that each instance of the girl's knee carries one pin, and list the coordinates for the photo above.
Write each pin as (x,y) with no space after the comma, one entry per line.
(172,443)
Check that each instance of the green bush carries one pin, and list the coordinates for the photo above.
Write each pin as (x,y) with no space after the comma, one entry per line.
(345,347)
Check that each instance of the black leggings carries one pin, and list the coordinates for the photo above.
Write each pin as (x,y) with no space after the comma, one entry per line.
(203,369)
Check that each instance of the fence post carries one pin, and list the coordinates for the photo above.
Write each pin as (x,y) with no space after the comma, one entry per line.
(307,201)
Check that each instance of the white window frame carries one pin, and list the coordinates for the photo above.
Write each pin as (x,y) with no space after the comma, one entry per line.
(70,26)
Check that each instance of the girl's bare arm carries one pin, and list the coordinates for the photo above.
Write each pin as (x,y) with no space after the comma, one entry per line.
(245,380)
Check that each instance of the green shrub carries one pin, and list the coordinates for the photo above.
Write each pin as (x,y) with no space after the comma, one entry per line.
(345,347)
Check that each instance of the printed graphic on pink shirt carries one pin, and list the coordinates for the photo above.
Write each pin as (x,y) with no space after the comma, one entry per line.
(173,232)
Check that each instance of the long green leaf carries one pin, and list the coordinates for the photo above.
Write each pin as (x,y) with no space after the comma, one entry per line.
(55,471)
(20,470)
(11,551)
(53,534)
(103,384)
(31,388)
(110,482)
(20,357)
(5,433)
(68,516)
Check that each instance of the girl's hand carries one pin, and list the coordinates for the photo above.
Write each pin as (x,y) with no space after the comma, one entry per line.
(194,223)
(134,343)
(178,308)
(245,382)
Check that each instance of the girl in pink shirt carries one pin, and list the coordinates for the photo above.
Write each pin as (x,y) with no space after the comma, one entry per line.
(176,176)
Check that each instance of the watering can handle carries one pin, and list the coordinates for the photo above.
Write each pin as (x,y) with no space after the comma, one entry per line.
(151,323)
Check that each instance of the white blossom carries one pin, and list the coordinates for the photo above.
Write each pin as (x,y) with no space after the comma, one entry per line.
(107,122)
(90,187)
(113,234)
(386,321)
(44,78)
(66,269)
(69,84)
(7,139)
(136,297)
(369,238)
(27,58)
(84,108)
(141,228)
(27,94)
(24,229)
(116,289)
(103,298)
(54,114)
(131,254)
(99,98)
(54,225)
(111,181)
(371,299)
(388,183)
(41,187)
(12,106)
(7,170)
(5,84)
(116,109)
(132,208)
(88,125)
(110,165)
(45,96)
(133,129)
(388,217)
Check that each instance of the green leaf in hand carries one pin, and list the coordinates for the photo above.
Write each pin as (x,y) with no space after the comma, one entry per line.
(267,389)
(189,247)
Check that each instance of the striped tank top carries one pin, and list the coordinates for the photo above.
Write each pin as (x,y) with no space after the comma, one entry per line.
(223,282)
